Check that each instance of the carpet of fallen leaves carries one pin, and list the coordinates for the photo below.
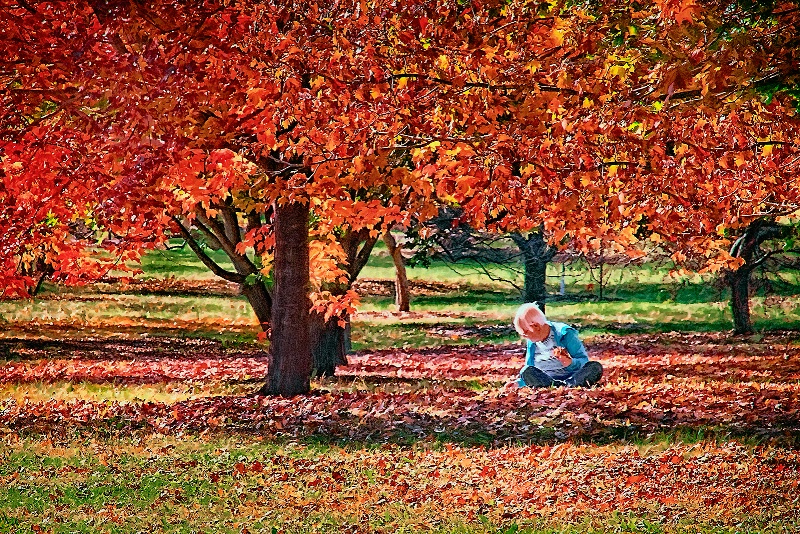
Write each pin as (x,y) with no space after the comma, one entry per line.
(508,453)
(651,384)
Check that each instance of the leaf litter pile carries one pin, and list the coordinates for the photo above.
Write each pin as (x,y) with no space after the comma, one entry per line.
(440,428)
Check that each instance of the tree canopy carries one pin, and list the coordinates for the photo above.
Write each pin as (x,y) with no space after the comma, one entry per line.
(123,123)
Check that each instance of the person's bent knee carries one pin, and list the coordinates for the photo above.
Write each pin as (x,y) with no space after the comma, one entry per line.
(588,375)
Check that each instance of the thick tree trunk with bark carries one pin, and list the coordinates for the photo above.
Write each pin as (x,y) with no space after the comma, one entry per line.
(402,296)
(290,349)
(328,342)
(536,254)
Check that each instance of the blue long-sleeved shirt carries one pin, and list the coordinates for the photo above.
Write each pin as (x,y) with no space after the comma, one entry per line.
(540,354)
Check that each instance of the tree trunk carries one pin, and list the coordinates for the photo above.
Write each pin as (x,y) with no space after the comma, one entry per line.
(402,297)
(331,344)
(601,282)
(325,352)
(290,351)
(260,300)
(536,254)
(535,289)
(46,270)
(739,281)
(748,247)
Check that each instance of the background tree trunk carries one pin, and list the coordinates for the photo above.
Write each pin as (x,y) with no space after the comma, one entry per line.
(748,247)
(535,288)
(402,296)
(536,254)
(260,300)
(290,351)
(739,282)
(330,344)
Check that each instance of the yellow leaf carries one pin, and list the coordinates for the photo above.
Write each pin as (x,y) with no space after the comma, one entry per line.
(618,71)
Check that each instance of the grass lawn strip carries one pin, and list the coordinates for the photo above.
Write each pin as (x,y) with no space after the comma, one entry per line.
(222,484)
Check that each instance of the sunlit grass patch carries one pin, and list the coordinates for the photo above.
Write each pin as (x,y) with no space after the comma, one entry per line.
(166,392)
(181,262)
(386,334)
(645,299)
(128,310)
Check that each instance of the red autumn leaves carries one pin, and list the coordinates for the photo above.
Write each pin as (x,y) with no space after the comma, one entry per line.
(649,386)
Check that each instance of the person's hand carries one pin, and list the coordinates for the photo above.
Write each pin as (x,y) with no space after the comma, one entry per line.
(563,356)
(511,385)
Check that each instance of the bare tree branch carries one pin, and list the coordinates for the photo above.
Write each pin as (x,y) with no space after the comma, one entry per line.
(205,258)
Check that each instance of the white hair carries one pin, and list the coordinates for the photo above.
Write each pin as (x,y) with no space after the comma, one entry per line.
(528,314)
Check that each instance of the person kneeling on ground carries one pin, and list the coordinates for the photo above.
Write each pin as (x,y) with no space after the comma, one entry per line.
(555,355)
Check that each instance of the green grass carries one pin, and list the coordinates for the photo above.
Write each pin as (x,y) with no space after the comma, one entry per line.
(380,267)
(591,318)
(181,263)
(72,314)
(375,335)
(641,299)
(127,308)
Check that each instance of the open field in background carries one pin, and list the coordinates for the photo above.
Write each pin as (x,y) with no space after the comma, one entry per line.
(478,317)
(132,409)
(177,295)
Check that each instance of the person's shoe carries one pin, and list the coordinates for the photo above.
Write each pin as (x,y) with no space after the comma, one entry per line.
(588,375)
(536,378)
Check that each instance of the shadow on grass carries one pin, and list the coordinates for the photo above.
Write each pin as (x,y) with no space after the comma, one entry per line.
(152,343)
(480,425)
